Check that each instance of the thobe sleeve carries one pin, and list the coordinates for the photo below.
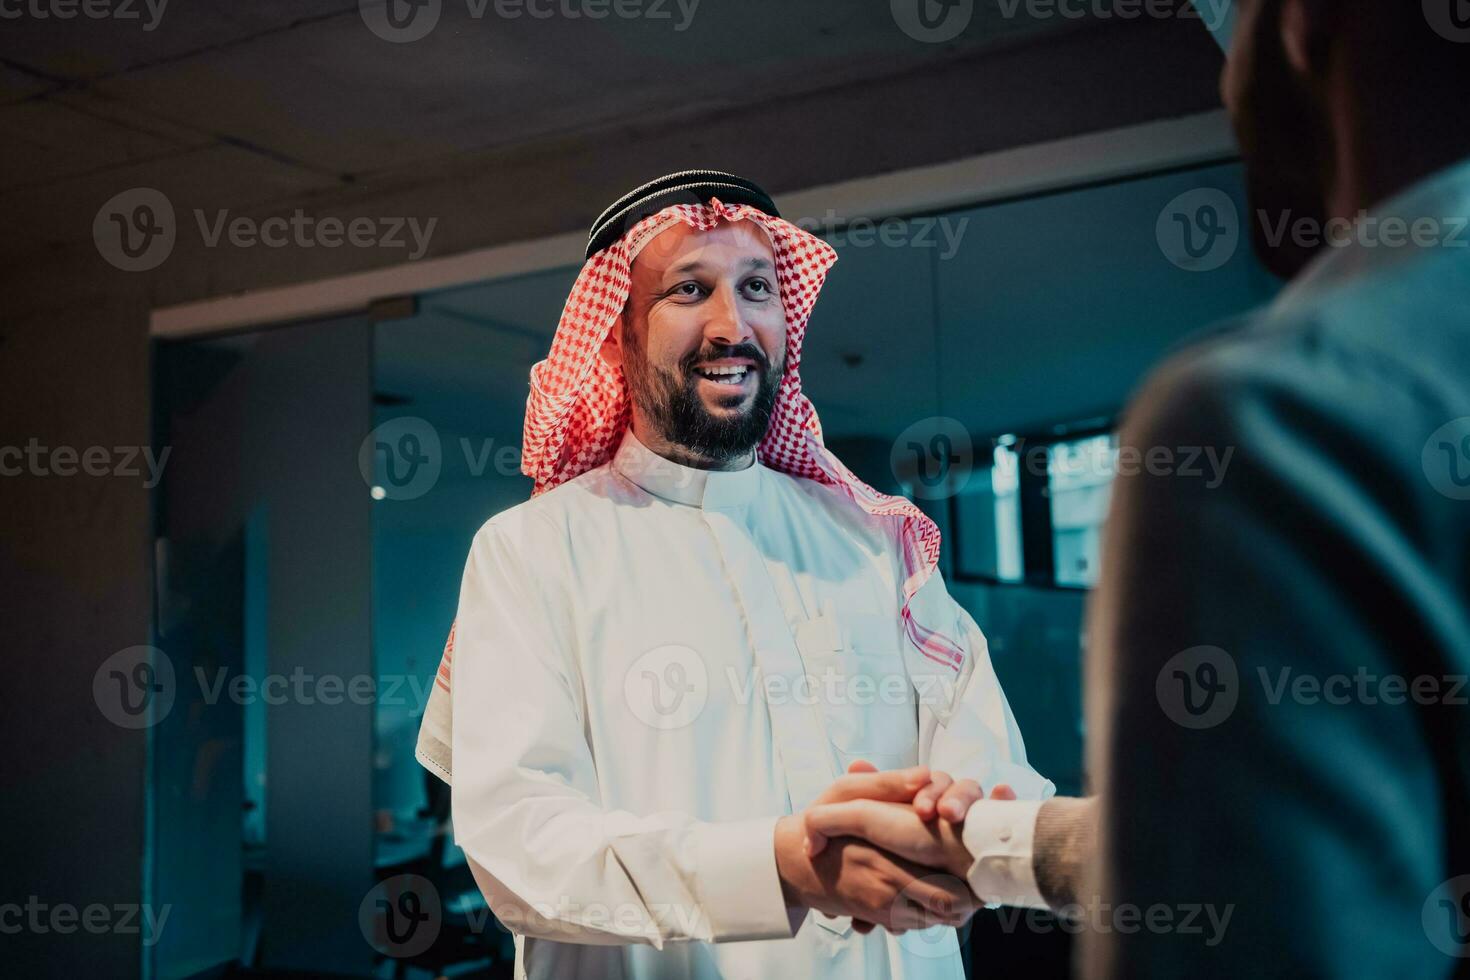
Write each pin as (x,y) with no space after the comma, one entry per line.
(552,861)
(966,727)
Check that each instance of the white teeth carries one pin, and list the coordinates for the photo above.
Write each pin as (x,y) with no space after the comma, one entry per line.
(724,375)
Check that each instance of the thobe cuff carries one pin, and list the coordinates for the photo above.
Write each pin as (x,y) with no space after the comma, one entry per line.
(738,884)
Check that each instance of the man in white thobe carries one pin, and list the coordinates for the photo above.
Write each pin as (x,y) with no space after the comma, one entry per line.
(669,652)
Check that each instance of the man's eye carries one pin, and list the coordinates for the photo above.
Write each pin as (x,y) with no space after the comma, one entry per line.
(759,287)
(689,289)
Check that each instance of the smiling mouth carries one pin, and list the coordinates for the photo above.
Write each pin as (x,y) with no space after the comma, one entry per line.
(725,377)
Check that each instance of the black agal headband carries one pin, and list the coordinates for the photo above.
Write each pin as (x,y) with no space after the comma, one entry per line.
(684,187)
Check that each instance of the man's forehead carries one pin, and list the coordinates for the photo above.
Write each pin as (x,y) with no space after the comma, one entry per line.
(683,247)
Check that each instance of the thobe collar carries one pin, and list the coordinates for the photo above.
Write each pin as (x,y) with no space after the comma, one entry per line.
(668,480)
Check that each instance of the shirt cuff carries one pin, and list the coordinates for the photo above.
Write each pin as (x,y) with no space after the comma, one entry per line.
(738,884)
(999,835)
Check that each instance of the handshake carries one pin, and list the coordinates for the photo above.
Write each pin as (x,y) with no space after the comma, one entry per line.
(884,848)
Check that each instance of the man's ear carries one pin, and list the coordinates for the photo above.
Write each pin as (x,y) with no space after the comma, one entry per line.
(612,345)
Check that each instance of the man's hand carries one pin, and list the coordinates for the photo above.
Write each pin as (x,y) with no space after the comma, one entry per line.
(942,796)
(951,798)
(907,831)
(897,828)
(853,878)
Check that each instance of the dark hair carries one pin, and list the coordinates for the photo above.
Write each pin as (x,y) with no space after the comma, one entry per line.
(1406,40)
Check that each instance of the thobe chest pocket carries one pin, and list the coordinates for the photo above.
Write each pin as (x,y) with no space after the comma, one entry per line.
(856,679)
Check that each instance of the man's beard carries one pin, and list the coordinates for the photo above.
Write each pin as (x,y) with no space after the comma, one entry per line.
(1287,150)
(677,412)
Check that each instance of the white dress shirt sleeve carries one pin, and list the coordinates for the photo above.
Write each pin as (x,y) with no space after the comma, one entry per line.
(1000,835)
(552,861)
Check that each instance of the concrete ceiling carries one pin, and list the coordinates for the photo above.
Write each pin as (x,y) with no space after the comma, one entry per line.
(306,83)
(514,127)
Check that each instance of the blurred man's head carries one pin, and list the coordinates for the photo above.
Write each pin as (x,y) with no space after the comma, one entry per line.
(702,342)
(1338,104)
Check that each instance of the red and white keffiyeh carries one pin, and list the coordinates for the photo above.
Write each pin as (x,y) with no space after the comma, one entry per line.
(579,407)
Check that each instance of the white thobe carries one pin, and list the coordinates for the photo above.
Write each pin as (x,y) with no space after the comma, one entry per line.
(652,664)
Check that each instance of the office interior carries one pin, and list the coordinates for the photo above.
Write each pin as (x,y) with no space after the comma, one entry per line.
(1000,202)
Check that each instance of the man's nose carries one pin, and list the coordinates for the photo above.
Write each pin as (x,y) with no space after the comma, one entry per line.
(726,324)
